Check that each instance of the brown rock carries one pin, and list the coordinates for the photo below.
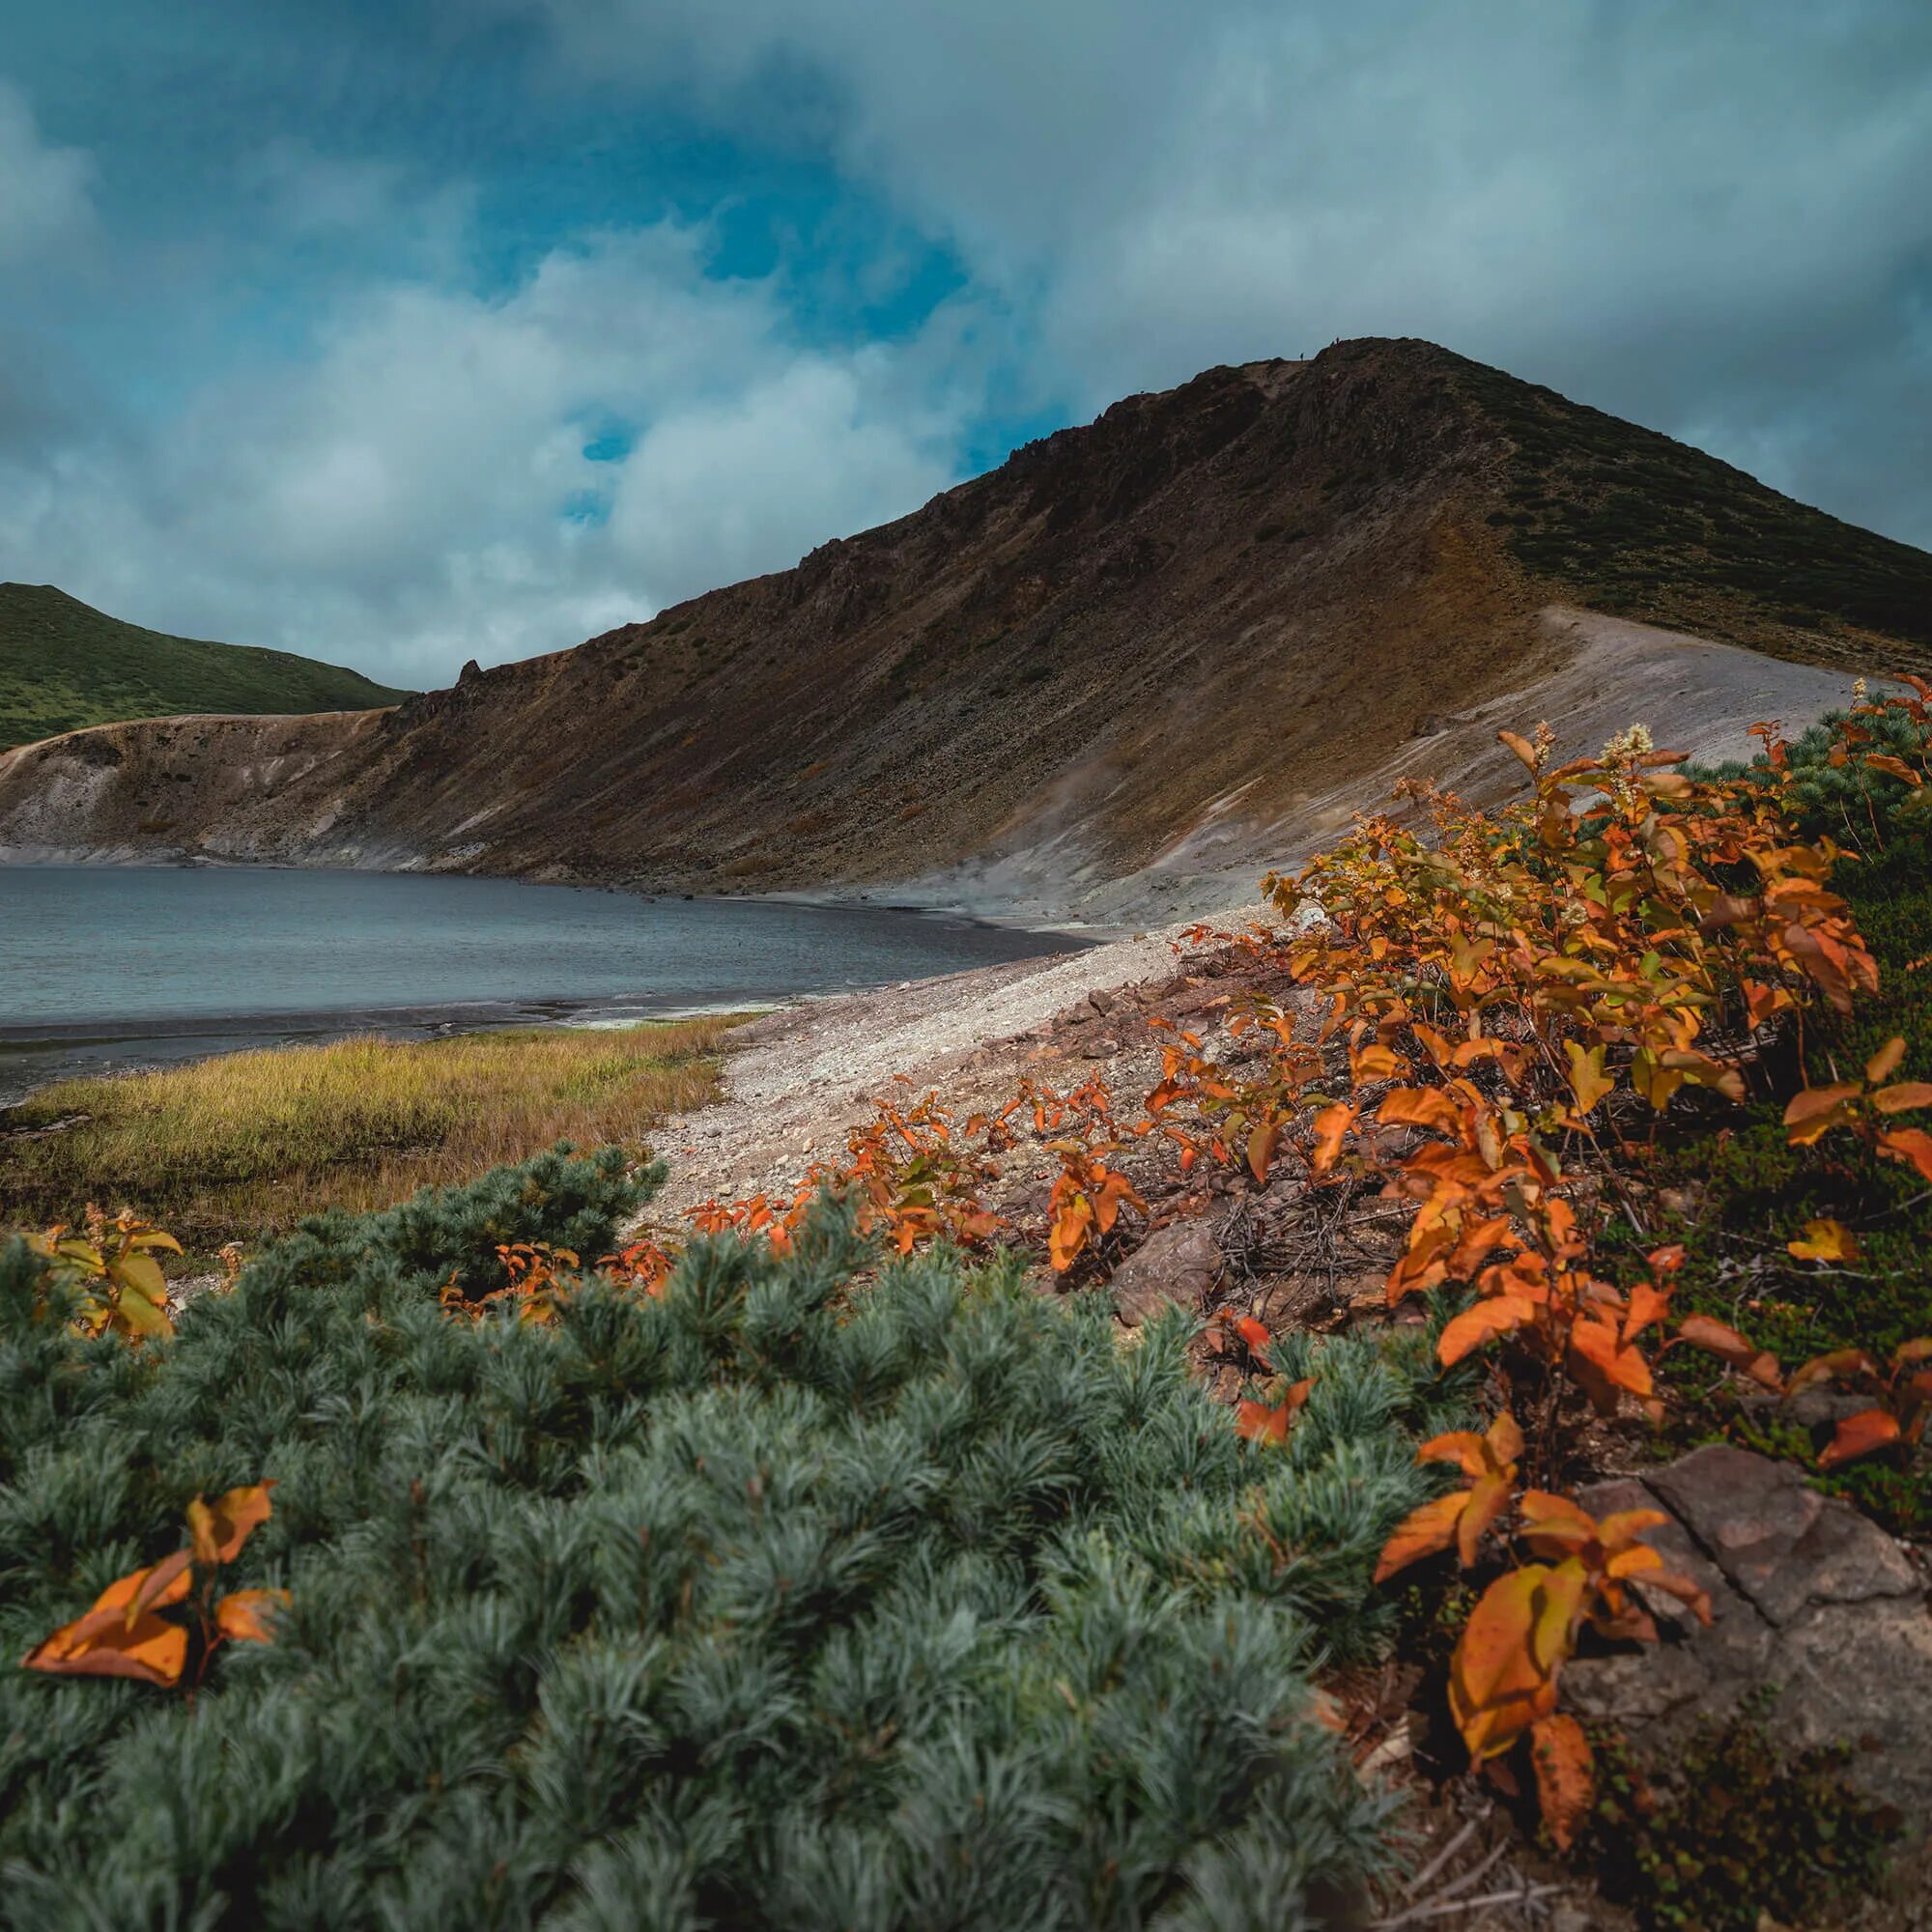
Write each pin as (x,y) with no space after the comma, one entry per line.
(1777,1539)
(1807,1597)
(1179,1265)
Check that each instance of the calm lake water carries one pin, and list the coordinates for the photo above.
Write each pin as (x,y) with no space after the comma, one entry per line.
(118,966)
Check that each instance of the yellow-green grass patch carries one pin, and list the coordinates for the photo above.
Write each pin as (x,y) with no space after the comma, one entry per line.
(243,1146)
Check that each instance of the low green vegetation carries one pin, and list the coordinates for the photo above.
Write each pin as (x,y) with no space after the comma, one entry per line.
(757,1601)
(246,1145)
(1654,529)
(63,664)
(1702,1844)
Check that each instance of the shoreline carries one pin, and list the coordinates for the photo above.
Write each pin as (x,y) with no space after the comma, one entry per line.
(41,1054)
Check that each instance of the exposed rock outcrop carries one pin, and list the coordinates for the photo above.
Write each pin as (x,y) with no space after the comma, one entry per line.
(1807,1597)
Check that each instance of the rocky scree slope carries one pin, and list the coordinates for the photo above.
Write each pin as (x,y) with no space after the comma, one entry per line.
(1161,646)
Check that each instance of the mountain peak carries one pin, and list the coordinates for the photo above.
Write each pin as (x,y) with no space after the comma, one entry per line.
(1153,645)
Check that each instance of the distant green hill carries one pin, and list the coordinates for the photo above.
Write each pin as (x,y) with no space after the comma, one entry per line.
(63,664)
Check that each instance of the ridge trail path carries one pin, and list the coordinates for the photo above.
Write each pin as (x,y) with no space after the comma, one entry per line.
(798,1079)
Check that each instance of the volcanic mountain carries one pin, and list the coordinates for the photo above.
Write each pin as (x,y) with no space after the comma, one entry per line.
(1111,677)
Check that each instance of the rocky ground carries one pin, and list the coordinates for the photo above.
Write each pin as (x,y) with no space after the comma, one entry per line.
(1814,1605)
(799,1079)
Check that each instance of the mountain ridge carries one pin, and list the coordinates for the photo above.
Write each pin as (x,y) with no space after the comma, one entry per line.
(1180,634)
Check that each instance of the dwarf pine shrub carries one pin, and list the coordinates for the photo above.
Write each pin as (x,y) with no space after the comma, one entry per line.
(773,1601)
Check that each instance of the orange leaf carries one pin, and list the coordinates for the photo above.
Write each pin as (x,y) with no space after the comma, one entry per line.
(1466,1257)
(1566,1776)
(1717,1338)
(1520,746)
(1469,1452)
(1497,1689)
(1681,1586)
(1419,1107)
(1260,1422)
(1505,1439)
(1254,1333)
(1117,1191)
(1261,1149)
(1809,1116)
(1487,1501)
(1883,761)
(1882,1064)
(1902,1096)
(1421,1533)
(151,1651)
(220,1528)
(1859,1436)
(167,1583)
(1555,1524)
(116,1640)
(1329,1126)
(154,1588)
(1649,1305)
(1823,1241)
(1602,1362)
(1587,1079)
(241,1614)
(1066,1238)
(1912,1145)
(1559,1607)
(1497,1315)
(1373,1062)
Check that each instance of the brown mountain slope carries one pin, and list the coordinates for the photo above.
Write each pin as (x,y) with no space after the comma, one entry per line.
(1165,639)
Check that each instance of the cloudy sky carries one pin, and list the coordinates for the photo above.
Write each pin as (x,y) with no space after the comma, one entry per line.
(402,332)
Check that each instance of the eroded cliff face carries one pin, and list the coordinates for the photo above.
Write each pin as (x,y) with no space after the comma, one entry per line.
(1154,649)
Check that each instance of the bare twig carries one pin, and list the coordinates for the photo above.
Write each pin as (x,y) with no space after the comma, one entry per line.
(1522,1896)
(1441,1858)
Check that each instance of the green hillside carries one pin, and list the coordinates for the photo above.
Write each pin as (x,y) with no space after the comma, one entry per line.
(1651,529)
(63,664)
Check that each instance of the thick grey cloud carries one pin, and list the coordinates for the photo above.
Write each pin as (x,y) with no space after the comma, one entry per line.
(1709,216)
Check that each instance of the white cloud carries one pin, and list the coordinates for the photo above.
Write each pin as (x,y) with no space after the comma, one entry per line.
(415,491)
(43,189)
(718,490)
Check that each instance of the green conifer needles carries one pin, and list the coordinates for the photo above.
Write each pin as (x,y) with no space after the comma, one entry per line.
(771,1602)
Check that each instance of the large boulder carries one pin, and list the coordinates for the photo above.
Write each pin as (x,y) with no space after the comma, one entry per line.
(1809,1598)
